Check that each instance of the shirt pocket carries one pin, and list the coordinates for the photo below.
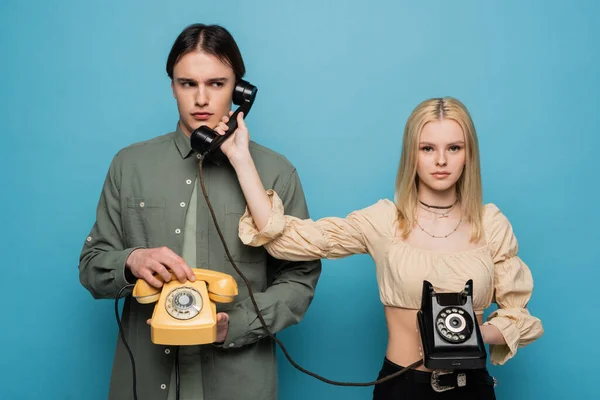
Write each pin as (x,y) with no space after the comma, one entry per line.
(143,223)
(239,252)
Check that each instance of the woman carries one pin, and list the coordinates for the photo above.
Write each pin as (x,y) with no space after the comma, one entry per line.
(436,229)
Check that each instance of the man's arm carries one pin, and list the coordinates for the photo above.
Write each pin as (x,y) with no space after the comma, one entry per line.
(102,260)
(106,265)
(287,299)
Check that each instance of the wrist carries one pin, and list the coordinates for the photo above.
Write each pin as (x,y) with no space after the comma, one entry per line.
(131,257)
(241,159)
(483,330)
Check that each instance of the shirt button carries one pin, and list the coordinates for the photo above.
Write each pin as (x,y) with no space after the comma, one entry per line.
(177,231)
(198,156)
(182,204)
(163,386)
(189,181)
(142,204)
(89,239)
(167,351)
(231,344)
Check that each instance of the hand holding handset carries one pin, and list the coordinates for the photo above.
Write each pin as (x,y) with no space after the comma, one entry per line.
(206,141)
(186,313)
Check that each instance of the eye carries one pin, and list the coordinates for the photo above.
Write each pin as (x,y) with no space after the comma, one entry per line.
(188,84)
(455,148)
(427,149)
(218,84)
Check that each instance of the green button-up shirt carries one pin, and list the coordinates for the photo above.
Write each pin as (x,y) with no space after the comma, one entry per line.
(143,204)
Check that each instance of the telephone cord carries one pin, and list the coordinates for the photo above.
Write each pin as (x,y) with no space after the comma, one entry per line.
(259,314)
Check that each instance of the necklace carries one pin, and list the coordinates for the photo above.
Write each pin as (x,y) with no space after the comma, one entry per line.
(443,214)
(440,207)
(439,237)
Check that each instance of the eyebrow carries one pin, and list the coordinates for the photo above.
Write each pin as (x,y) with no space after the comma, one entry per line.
(182,80)
(449,144)
(211,80)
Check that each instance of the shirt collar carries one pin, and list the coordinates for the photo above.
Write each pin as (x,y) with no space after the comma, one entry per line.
(182,142)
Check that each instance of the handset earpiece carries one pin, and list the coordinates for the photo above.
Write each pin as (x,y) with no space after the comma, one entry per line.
(204,140)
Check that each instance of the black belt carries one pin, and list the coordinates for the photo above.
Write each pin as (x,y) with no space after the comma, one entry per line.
(442,380)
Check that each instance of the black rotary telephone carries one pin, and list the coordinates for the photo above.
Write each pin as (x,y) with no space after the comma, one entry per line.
(206,141)
(449,330)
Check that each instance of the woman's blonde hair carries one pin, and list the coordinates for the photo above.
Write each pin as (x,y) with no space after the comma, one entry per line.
(468,186)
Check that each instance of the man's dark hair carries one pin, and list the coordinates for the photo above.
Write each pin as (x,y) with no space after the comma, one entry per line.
(211,39)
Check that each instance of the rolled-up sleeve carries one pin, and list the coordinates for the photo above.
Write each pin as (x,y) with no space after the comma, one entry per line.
(248,231)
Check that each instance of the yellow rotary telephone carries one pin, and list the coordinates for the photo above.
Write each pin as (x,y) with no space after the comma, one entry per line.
(186,313)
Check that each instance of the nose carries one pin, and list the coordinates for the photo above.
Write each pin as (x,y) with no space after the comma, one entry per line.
(441,160)
(201,96)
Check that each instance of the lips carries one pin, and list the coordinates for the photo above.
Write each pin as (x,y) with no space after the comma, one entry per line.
(201,116)
(440,175)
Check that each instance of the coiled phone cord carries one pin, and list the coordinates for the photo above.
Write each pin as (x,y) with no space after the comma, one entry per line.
(259,314)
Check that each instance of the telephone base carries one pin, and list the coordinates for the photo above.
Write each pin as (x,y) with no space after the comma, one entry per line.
(200,329)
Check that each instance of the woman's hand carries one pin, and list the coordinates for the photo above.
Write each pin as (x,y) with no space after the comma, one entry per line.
(491,335)
(237,151)
(236,146)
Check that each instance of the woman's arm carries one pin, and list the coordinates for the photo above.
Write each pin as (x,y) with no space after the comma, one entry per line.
(289,238)
(237,151)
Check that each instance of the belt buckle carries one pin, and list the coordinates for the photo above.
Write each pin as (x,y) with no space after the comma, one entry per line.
(461,380)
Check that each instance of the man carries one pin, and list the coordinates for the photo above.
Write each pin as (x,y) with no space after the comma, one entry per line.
(152,219)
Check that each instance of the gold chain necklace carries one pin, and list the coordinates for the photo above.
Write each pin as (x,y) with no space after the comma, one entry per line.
(439,237)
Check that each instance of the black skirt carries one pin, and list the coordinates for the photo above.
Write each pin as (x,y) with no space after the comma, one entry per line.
(467,385)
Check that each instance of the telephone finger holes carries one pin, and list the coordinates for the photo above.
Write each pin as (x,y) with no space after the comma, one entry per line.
(454,325)
(183,303)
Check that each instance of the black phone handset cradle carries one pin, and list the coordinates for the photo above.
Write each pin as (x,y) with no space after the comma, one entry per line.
(449,329)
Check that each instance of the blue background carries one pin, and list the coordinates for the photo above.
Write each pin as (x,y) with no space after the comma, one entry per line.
(337,80)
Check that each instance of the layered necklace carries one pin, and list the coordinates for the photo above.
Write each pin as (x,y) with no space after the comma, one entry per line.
(441,212)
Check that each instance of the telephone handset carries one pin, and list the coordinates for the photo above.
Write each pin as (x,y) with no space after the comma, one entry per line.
(206,141)
(186,313)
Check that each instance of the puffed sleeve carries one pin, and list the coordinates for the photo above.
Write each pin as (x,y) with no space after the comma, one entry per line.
(290,238)
(513,286)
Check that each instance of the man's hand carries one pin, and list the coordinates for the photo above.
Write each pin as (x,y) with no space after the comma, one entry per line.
(222,326)
(143,263)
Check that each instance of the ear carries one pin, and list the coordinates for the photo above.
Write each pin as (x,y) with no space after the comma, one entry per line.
(173,88)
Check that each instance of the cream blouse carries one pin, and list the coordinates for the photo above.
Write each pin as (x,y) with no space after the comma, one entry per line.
(498,273)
